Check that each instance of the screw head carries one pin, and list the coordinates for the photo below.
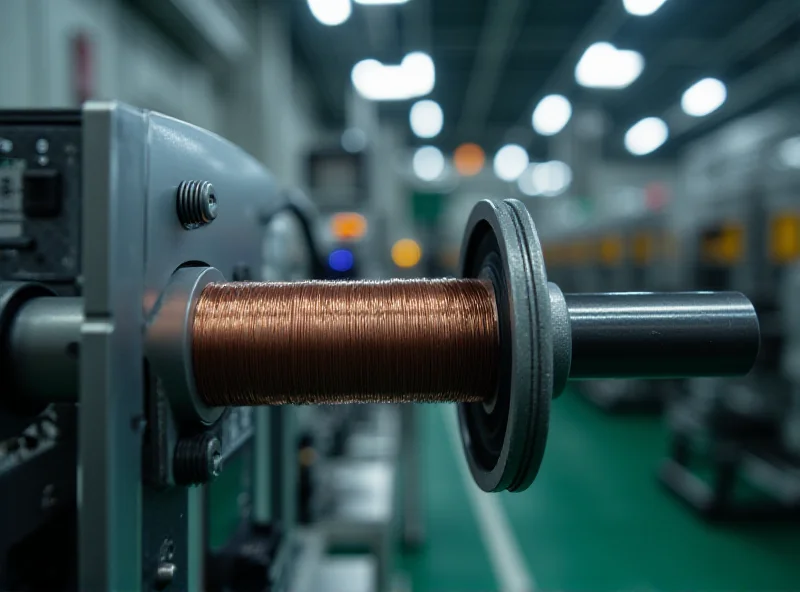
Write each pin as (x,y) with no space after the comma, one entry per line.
(165,573)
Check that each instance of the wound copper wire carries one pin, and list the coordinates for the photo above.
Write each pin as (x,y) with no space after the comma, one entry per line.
(346,342)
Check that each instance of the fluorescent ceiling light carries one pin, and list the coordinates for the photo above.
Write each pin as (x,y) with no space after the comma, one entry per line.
(428,163)
(525,180)
(704,97)
(331,12)
(414,77)
(354,140)
(642,7)
(789,152)
(510,162)
(646,136)
(379,2)
(546,179)
(551,178)
(426,119)
(551,115)
(604,66)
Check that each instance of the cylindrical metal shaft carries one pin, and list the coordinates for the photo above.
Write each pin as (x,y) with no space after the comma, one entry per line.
(420,341)
(661,335)
(44,349)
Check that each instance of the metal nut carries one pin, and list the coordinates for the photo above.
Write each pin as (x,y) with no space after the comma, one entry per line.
(165,574)
(197,460)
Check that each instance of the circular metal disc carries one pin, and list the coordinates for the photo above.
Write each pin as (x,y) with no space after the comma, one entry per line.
(503,232)
(168,343)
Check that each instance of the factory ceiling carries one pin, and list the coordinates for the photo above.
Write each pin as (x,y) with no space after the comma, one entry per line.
(495,59)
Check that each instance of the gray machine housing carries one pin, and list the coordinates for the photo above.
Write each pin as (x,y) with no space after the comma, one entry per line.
(123,168)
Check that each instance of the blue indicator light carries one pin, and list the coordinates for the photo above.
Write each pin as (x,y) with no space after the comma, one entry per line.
(341,260)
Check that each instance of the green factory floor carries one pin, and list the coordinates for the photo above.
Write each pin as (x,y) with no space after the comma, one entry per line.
(595,519)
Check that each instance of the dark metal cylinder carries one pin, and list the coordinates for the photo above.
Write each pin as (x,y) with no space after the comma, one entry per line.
(44,343)
(662,335)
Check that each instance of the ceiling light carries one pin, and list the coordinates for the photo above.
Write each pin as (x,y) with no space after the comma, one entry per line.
(789,152)
(704,97)
(331,12)
(646,136)
(551,115)
(426,119)
(525,181)
(604,66)
(379,2)
(414,77)
(642,7)
(353,140)
(545,179)
(510,162)
(428,163)
(551,178)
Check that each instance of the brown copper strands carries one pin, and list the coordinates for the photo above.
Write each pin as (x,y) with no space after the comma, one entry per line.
(343,342)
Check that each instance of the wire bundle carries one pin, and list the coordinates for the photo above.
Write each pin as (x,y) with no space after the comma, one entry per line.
(346,342)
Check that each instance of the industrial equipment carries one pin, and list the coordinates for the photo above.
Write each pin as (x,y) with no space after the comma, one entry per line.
(139,356)
(733,453)
(617,255)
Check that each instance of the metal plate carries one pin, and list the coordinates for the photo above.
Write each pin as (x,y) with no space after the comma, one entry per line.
(503,231)
(132,244)
(180,152)
(111,408)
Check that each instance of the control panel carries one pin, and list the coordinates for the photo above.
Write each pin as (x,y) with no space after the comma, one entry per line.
(40,210)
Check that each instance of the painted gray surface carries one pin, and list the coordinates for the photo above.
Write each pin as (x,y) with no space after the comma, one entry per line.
(176,152)
(133,243)
(111,381)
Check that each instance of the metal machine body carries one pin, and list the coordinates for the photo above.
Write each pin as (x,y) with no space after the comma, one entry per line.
(615,255)
(120,170)
(737,224)
(108,350)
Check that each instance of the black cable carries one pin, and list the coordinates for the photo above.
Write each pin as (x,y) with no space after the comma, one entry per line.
(298,203)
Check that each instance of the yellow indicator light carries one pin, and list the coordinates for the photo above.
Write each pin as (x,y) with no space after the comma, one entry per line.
(611,249)
(726,246)
(785,238)
(406,253)
(644,248)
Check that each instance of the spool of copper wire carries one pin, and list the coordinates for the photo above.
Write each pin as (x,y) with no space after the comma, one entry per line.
(342,342)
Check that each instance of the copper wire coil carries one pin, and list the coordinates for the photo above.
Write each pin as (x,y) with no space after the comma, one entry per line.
(344,342)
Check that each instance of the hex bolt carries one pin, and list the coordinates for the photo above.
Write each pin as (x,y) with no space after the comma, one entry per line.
(197,460)
(196,204)
(165,573)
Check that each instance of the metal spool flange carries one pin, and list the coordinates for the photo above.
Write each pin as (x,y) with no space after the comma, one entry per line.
(504,441)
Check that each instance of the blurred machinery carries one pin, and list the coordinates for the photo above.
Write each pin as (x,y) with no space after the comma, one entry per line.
(621,255)
(735,225)
(108,220)
(738,227)
(133,371)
